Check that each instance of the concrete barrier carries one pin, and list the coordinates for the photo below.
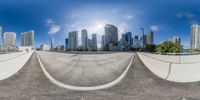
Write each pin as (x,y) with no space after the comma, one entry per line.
(12,65)
(159,68)
(181,69)
(185,73)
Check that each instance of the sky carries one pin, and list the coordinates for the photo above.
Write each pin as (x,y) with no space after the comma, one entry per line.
(56,18)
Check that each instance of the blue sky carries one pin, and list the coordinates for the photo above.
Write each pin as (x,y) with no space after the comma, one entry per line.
(57,17)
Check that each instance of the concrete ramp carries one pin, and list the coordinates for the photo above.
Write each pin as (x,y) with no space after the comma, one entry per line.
(173,68)
(12,63)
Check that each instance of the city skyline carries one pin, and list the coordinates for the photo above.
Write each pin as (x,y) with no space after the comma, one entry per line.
(66,16)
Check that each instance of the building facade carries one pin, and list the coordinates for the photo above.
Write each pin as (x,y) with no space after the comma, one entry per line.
(9,39)
(150,37)
(102,42)
(52,44)
(176,40)
(27,38)
(111,37)
(195,37)
(44,47)
(84,35)
(73,40)
(94,41)
(127,41)
(1,36)
(66,43)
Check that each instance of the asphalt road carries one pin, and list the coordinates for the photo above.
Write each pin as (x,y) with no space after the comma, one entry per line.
(140,84)
(84,69)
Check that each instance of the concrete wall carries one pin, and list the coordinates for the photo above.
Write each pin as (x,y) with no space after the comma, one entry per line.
(173,68)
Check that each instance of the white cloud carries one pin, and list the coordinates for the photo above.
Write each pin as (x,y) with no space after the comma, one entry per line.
(192,18)
(128,17)
(185,14)
(154,28)
(53,28)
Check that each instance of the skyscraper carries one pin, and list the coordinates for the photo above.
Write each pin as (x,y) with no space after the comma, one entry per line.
(89,44)
(27,38)
(84,39)
(195,37)
(10,39)
(73,40)
(137,42)
(144,39)
(176,40)
(52,43)
(1,37)
(150,37)
(111,36)
(102,42)
(94,41)
(127,40)
(66,43)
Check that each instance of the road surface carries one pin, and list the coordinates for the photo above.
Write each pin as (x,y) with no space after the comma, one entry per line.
(140,84)
(84,69)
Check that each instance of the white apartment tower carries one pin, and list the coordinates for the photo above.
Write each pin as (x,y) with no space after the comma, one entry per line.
(195,37)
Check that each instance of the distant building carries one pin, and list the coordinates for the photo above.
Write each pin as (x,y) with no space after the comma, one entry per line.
(52,44)
(195,37)
(144,39)
(150,37)
(89,44)
(111,37)
(66,43)
(102,42)
(10,39)
(44,47)
(60,47)
(73,40)
(176,40)
(94,41)
(27,38)
(84,39)
(127,40)
(137,42)
(1,36)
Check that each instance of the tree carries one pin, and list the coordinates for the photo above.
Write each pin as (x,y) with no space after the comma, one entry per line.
(149,48)
(168,47)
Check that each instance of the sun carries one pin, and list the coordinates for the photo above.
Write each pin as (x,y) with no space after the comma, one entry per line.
(99,25)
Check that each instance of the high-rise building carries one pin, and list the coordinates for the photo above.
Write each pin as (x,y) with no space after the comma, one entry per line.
(137,41)
(176,40)
(111,36)
(195,37)
(66,43)
(144,39)
(150,37)
(84,39)
(94,41)
(102,42)
(73,40)
(127,40)
(52,44)
(9,39)
(1,36)
(27,38)
(89,44)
